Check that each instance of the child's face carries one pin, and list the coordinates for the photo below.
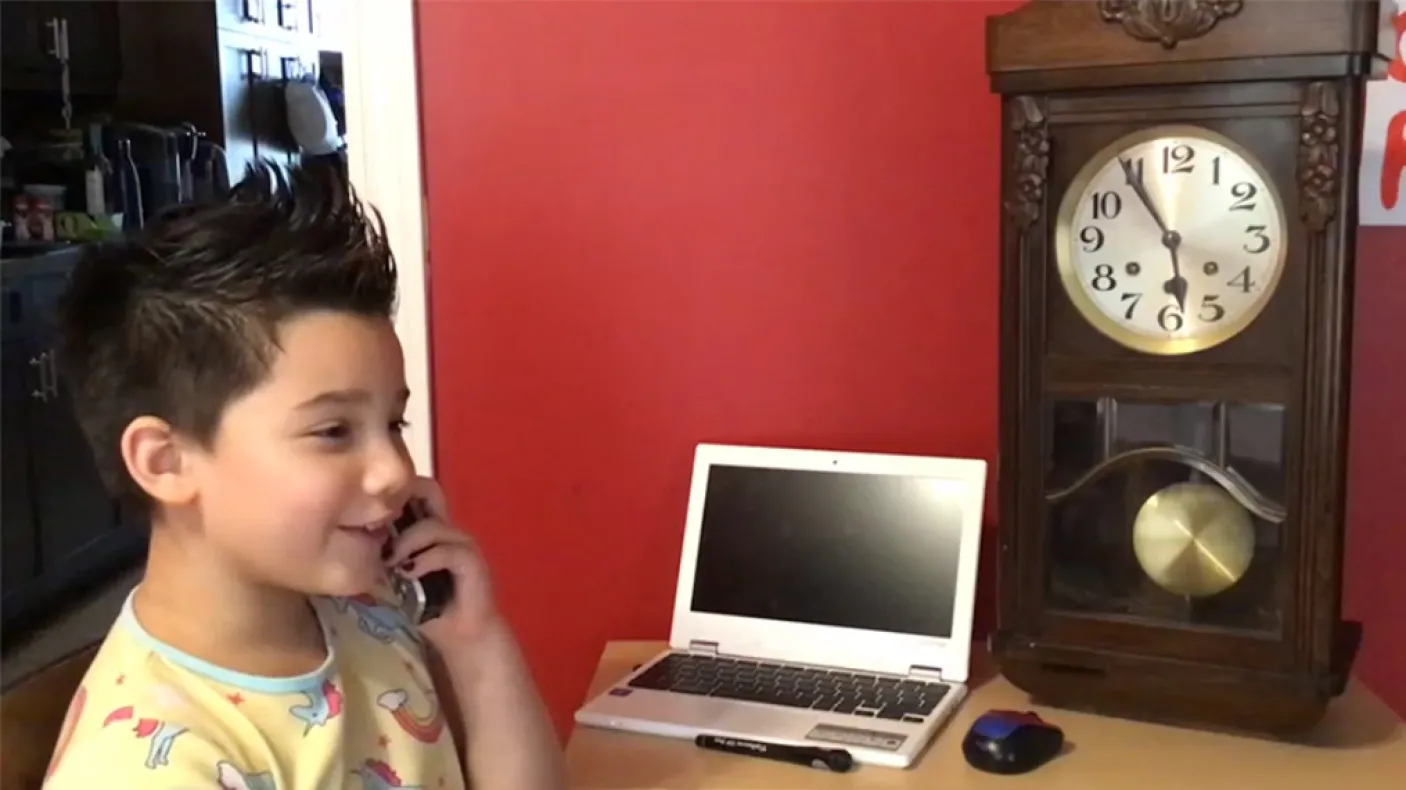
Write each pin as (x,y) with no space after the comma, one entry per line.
(305,463)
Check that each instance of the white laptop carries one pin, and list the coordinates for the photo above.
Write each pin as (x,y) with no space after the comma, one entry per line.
(824,599)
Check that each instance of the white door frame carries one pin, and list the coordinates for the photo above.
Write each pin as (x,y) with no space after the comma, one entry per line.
(383,152)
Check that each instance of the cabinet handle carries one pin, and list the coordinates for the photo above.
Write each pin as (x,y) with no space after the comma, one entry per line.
(42,393)
(59,27)
(287,16)
(292,68)
(256,66)
(51,362)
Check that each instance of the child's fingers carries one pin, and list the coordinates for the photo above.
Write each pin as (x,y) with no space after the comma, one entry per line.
(423,534)
(427,490)
(439,557)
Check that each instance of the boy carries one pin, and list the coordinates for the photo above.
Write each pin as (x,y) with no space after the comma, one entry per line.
(237,373)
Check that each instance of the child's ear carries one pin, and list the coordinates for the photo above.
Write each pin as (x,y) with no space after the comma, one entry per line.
(157,459)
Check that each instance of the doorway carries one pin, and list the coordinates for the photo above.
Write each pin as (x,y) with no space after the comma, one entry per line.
(381,82)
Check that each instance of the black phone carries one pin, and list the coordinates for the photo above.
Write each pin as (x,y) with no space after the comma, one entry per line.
(425,598)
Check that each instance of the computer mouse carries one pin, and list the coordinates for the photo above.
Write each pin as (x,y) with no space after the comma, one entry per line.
(1011,742)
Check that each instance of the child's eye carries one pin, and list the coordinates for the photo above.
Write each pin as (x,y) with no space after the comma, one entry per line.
(333,433)
(399,426)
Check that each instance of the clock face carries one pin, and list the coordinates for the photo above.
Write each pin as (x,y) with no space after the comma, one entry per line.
(1171,240)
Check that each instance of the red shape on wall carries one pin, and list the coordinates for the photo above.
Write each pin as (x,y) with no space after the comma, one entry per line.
(1394,160)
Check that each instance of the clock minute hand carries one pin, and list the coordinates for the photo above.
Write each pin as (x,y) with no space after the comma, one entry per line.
(1170,238)
(1135,182)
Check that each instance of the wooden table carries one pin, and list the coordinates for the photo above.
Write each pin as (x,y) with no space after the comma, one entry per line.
(1361,745)
(31,713)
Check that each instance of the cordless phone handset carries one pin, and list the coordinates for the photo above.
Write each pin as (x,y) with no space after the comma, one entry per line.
(425,598)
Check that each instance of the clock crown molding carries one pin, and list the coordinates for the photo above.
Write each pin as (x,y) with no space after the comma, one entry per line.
(1168,22)
(1116,43)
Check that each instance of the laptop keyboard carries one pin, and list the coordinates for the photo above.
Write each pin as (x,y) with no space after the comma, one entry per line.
(854,693)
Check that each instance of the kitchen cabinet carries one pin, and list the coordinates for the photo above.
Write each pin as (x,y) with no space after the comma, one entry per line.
(61,531)
(27,38)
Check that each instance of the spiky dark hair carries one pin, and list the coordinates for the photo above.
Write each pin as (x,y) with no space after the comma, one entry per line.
(181,318)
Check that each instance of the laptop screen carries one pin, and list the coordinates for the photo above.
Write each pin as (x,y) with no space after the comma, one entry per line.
(869,551)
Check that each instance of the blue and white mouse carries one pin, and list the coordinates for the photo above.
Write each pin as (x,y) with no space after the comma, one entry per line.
(1011,742)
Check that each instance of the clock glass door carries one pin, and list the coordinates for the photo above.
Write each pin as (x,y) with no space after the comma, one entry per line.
(1167,513)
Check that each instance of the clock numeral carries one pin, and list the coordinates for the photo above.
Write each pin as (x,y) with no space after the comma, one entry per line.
(1211,311)
(1092,237)
(1177,158)
(1103,278)
(1170,318)
(1215,171)
(1243,192)
(1243,281)
(1131,300)
(1262,241)
(1107,205)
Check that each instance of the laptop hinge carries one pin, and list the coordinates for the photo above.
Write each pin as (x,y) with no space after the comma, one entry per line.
(918,672)
(706,648)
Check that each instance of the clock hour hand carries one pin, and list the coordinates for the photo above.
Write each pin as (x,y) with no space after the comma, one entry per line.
(1176,286)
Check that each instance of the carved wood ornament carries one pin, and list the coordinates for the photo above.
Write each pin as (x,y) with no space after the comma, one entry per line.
(1168,21)
(1032,159)
(1318,155)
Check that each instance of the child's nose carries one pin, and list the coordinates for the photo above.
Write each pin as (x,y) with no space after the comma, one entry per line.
(389,471)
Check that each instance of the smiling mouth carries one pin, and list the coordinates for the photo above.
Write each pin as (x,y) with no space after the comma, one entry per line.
(376,530)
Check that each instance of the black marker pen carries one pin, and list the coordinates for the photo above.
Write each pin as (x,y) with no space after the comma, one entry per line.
(837,760)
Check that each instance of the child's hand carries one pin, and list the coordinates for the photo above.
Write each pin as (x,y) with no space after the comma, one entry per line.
(432,544)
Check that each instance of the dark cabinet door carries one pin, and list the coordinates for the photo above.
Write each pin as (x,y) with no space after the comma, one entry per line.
(25,43)
(70,502)
(94,49)
(72,506)
(61,531)
(29,39)
(19,556)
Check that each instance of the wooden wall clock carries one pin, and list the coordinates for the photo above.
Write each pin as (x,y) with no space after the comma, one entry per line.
(1179,185)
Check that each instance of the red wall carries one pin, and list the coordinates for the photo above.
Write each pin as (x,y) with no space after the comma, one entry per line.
(1375,563)
(653,224)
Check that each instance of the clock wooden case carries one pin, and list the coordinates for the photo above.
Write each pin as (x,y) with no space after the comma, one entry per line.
(1178,221)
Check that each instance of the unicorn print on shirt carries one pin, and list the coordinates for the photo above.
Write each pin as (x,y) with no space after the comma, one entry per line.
(376,775)
(324,704)
(162,734)
(369,719)
(379,621)
(426,727)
